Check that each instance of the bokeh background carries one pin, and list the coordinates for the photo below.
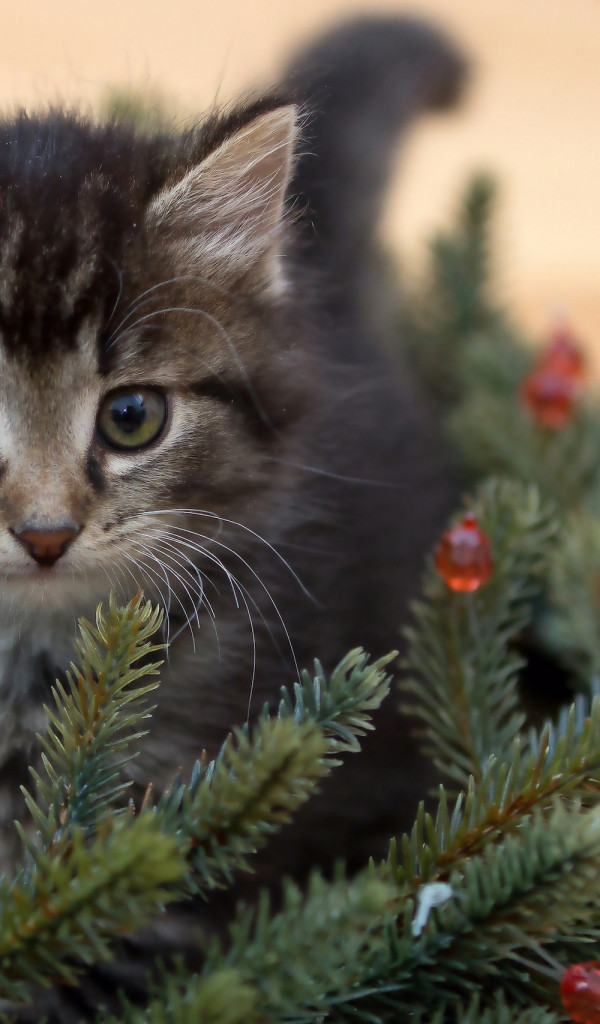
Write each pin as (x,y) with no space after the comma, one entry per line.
(532,116)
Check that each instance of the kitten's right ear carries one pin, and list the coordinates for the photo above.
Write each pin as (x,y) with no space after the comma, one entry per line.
(224,217)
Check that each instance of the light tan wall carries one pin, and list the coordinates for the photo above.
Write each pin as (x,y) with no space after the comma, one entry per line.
(533,116)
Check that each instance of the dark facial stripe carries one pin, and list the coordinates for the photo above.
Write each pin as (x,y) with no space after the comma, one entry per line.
(239,395)
(94,474)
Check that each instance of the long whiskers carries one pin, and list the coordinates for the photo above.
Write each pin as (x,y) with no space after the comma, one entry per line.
(196,585)
(239,592)
(162,569)
(171,540)
(229,522)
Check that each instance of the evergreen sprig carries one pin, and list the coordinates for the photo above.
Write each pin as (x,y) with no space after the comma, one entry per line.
(97,717)
(340,705)
(348,950)
(453,304)
(232,806)
(65,909)
(94,872)
(463,670)
(285,966)
(515,913)
(263,774)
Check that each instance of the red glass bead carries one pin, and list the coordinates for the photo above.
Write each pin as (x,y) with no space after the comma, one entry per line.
(550,397)
(563,355)
(580,992)
(464,556)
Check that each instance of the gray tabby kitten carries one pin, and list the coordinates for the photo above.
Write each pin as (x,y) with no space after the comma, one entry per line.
(192,400)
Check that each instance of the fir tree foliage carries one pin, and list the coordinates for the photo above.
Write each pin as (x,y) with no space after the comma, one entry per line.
(96,867)
(96,719)
(463,669)
(473,360)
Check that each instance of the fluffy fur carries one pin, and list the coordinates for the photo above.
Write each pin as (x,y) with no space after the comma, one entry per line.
(284,510)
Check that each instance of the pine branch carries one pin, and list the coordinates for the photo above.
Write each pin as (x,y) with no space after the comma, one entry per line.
(347,950)
(232,805)
(513,911)
(74,899)
(473,1013)
(463,671)
(342,705)
(453,305)
(97,717)
(559,760)
(284,965)
(96,875)
(496,435)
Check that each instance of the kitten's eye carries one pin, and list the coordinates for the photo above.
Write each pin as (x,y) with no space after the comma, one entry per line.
(132,418)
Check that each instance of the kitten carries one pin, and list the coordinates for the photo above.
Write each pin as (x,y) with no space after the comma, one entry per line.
(192,400)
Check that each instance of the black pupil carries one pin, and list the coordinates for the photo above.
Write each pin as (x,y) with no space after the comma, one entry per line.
(128,413)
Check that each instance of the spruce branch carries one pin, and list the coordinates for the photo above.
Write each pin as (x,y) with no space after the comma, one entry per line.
(262,775)
(95,874)
(500,1012)
(347,949)
(496,435)
(514,911)
(234,804)
(341,706)
(97,716)
(287,966)
(559,760)
(64,910)
(463,671)
(453,303)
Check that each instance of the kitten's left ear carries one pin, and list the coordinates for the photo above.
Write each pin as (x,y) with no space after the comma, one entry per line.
(224,217)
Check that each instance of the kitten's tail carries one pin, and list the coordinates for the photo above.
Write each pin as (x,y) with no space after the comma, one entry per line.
(362,83)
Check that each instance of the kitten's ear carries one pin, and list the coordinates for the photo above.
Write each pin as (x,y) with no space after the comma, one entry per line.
(224,217)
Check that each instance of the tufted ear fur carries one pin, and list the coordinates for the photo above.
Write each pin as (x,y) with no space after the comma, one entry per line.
(224,217)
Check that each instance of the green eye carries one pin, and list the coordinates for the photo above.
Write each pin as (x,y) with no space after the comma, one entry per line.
(132,418)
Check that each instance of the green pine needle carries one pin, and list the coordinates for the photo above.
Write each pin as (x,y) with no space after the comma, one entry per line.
(97,716)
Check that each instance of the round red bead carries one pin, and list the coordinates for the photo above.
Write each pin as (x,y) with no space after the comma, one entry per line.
(580,992)
(550,397)
(464,556)
(563,356)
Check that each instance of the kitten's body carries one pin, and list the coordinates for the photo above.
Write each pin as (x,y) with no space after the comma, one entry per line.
(313,483)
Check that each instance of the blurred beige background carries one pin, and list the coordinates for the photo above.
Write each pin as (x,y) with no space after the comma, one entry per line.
(532,116)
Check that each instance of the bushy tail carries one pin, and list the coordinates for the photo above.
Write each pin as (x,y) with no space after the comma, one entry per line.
(361,83)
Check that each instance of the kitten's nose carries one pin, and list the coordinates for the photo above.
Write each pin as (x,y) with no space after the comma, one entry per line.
(46,546)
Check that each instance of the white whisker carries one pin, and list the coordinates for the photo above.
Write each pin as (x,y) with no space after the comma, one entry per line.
(200,549)
(171,592)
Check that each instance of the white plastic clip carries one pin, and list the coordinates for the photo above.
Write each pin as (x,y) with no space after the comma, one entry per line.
(434,894)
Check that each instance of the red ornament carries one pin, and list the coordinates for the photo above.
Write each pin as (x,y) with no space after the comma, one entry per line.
(580,992)
(550,397)
(564,356)
(464,556)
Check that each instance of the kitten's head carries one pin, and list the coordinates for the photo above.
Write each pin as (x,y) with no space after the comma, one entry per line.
(146,360)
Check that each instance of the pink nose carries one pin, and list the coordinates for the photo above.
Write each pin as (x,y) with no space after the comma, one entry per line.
(48,546)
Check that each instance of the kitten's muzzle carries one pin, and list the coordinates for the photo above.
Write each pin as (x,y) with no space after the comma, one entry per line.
(46,546)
